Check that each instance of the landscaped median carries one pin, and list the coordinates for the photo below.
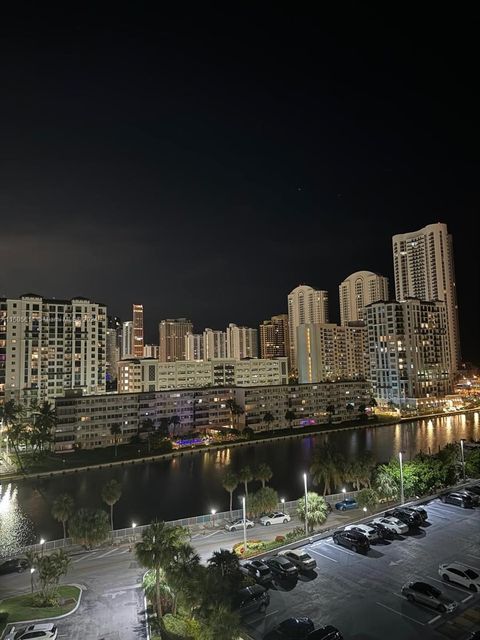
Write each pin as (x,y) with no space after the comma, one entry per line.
(24,609)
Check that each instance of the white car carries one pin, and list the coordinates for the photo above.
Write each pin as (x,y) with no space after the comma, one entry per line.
(300,558)
(394,524)
(459,573)
(277,517)
(236,525)
(46,631)
(370,532)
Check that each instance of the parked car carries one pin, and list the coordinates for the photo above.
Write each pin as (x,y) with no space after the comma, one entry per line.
(47,631)
(325,633)
(281,567)
(394,524)
(292,629)
(384,533)
(405,515)
(347,503)
(257,570)
(424,593)
(277,517)
(457,499)
(475,498)
(236,525)
(475,488)
(423,512)
(251,599)
(353,540)
(15,565)
(369,531)
(459,573)
(300,558)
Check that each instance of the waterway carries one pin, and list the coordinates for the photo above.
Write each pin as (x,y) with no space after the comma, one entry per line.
(191,485)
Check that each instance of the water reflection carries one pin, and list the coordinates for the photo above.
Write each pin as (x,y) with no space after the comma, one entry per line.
(15,528)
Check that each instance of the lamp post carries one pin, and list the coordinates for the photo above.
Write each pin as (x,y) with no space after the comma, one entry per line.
(32,571)
(244,526)
(134,524)
(462,440)
(282,500)
(213,512)
(344,491)
(400,458)
(42,545)
(306,504)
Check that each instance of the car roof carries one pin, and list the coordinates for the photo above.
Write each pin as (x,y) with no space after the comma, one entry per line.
(41,627)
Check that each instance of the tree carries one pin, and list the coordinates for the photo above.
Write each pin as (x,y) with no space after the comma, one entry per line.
(163,428)
(111,494)
(43,425)
(62,510)
(226,562)
(263,473)
(328,468)
(268,418)
(245,475)
(230,483)
(248,433)
(48,571)
(386,485)
(263,501)
(115,431)
(362,407)
(89,527)
(235,412)
(330,410)
(290,416)
(317,510)
(221,622)
(472,464)
(174,422)
(13,418)
(367,498)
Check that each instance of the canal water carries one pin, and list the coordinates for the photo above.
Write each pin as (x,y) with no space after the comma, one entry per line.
(191,485)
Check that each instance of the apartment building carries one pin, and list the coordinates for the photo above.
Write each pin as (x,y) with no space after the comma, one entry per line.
(274,337)
(359,290)
(305,306)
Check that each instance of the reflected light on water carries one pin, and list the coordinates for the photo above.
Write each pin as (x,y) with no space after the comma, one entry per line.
(15,528)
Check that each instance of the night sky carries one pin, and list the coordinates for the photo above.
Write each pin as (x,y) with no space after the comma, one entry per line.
(205,164)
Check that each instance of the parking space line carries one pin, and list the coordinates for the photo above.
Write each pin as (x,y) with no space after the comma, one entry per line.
(323,556)
(107,553)
(85,557)
(380,604)
(467,598)
(472,556)
(255,620)
(339,548)
(449,585)
(434,619)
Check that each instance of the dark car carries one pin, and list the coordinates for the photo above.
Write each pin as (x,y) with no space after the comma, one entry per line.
(475,489)
(325,633)
(292,629)
(251,599)
(281,567)
(15,565)
(384,532)
(353,540)
(423,512)
(467,492)
(406,515)
(346,504)
(257,570)
(458,499)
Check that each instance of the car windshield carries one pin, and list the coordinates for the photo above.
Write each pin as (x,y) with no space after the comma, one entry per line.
(304,556)
(471,574)
(263,571)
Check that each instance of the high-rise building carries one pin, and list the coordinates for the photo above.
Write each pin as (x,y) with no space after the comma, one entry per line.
(50,346)
(274,337)
(127,339)
(137,346)
(242,342)
(112,352)
(172,338)
(331,352)
(194,348)
(214,344)
(358,290)
(151,351)
(424,269)
(305,306)
(408,349)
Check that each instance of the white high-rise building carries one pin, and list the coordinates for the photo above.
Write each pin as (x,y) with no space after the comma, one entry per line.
(358,290)
(151,351)
(50,346)
(214,344)
(424,269)
(408,349)
(194,349)
(242,342)
(305,306)
(127,339)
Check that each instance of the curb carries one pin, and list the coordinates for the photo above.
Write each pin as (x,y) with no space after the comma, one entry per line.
(81,589)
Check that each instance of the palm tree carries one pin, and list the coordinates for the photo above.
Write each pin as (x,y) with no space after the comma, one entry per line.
(163,427)
(62,510)
(175,422)
(16,430)
(45,420)
(230,483)
(317,510)
(263,473)
(222,622)
(226,561)
(111,494)
(268,418)
(235,412)
(331,411)
(245,475)
(115,431)
(327,468)
(290,416)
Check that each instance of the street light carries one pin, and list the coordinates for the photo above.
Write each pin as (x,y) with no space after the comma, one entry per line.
(134,524)
(462,440)
(32,571)
(213,512)
(42,544)
(306,504)
(244,507)
(282,500)
(402,497)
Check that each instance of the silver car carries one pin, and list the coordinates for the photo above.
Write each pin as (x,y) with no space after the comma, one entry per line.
(300,558)
(424,593)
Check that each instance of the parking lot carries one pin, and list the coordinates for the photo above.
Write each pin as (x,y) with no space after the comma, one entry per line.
(361,595)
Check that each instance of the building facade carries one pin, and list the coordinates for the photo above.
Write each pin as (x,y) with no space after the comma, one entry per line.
(274,337)
(172,332)
(305,306)
(242,342)
(151,351)
(50,346)
(424,269)
(194,349)
(137,344)
(214,344)
(127,339)
(359,290)
(409,352)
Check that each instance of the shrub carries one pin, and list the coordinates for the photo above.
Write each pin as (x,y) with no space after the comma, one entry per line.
(175,627)
(279,538)
(367,498)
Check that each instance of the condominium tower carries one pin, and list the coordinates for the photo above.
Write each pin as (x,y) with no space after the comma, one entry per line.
(305,306)
(242,342)
(424,269)
(274,337)
(358,290)
(172,332)
(137,346)
(127,340)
